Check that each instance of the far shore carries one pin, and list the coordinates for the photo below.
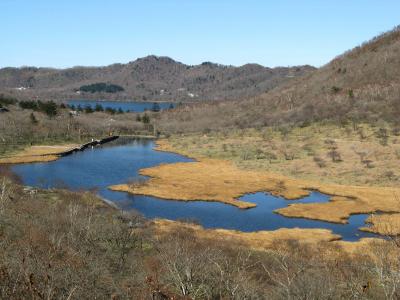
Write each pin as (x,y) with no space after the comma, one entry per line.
(126,100)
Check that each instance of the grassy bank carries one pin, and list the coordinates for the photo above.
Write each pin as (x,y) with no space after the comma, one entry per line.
(356,155)
(36,154)
(357,165)
(259,240)
(225,181)
(209,180)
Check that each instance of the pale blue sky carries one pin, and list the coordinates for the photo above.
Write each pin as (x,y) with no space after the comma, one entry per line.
(65,33)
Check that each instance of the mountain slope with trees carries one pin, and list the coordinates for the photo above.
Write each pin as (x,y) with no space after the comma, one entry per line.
(149,78)
(362,84)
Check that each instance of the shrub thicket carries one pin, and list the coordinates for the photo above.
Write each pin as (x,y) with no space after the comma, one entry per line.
(48,107)
(101,87)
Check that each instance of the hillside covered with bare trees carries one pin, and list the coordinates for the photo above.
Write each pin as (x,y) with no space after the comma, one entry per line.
(362,84)
(148,79)
(327,140)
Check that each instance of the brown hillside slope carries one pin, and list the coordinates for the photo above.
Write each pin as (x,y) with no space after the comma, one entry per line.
(150,78)
(361,84)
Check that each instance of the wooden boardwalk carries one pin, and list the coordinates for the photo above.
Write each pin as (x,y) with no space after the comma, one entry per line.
(86,145)
(138,136)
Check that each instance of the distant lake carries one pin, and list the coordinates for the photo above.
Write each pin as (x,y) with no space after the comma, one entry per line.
(124,105)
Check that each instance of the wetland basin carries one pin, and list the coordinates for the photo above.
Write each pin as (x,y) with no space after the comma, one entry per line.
(120,161)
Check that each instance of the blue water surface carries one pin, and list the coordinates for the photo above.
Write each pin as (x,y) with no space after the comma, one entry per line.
(132,106)
(120,161)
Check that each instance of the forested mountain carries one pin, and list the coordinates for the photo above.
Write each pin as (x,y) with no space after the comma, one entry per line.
(362,84)
(149,78)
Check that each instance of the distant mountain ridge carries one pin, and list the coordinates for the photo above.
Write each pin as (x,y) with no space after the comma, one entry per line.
(360,85)
(150,78)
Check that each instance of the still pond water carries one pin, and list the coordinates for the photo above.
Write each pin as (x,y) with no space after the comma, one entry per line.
(121,160)
(123,105)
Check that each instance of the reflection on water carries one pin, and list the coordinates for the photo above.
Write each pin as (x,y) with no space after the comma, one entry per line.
(121,160)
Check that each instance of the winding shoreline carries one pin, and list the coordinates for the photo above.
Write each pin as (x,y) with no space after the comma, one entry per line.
(227,180)
(222,181)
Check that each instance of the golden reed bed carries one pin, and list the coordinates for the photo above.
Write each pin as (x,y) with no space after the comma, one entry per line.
(262,240)
(223,181)
(36,154)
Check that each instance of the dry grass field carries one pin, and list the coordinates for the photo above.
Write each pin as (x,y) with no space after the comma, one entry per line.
(355,155)
(36,154)
(210,180)
(363,180)
(259,240)
(224,181)
(385,224)
(262,240)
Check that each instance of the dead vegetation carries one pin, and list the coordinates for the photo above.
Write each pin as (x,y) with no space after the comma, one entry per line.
(36,154)
(337,125)
(320,152)
(62,245)
(361,85)
(226,182)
